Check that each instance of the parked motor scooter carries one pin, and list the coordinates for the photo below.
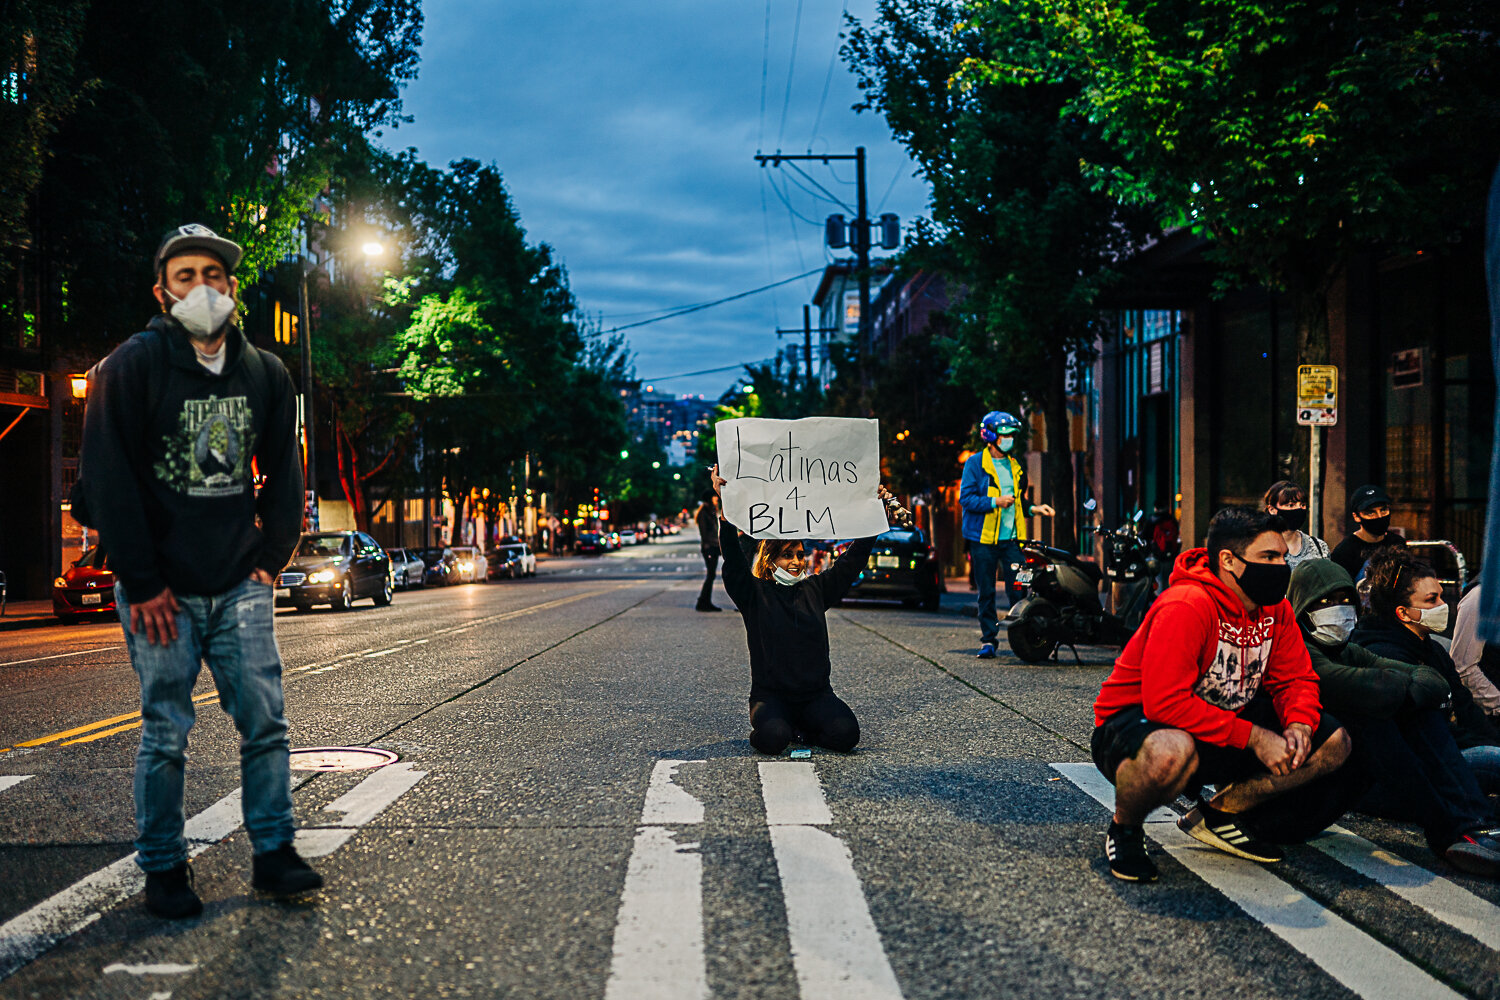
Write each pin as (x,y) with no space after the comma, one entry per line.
(1062,607)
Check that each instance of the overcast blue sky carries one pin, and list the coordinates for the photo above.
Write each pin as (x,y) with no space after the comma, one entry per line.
(626,133)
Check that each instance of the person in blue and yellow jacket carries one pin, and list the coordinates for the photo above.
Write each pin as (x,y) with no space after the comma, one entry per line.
(992,494)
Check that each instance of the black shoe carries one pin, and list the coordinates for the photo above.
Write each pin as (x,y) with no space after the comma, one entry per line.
(1219,829)
(1125,847)
(708,607)
(283,873)
(170,893)
(1477,853)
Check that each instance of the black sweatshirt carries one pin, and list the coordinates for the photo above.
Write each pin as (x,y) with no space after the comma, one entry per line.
(1386,636)
(785,626)
(171,491)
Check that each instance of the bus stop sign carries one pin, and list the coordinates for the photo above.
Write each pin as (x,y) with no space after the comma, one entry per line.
(1317,395)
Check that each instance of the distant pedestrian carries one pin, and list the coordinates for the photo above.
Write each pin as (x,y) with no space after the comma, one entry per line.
(1216,688)
(1406,610)
(707,519)
(996,504)
(1288,501)
(174,417)
(784,609)
(1370,509)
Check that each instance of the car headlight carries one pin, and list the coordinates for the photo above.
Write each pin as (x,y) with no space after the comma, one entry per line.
(61,581)
(321,576)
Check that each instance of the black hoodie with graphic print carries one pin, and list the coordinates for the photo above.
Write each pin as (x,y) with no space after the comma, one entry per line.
(166,464)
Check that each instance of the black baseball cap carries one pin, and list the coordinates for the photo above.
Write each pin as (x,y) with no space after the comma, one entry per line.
(191,237)
(1368,496)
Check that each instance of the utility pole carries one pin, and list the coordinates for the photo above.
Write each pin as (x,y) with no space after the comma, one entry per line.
(807,330)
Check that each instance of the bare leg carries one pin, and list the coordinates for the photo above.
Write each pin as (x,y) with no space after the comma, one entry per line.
(1155,776)
(1251,792)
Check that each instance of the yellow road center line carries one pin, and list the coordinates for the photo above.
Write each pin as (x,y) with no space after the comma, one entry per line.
(198,698)
(100,735)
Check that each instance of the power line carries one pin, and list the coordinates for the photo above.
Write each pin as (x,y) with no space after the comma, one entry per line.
(765,63)
(790,67)
(831,196)
(716,302)
(827,81)
(784,200)
(710,371)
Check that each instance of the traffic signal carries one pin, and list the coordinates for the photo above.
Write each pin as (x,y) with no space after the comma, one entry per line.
(836,232)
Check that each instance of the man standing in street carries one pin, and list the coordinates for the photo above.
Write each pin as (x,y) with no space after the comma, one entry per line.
(1370,507)
(993,491)
(175,416)
(707,519)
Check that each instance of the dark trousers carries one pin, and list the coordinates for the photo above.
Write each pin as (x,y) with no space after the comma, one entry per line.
(989,561)
(1417,775)
(711,565)
(822,720)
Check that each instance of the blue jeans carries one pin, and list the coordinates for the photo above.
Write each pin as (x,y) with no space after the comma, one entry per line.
(1003,558)
(233,633)
(1485,763)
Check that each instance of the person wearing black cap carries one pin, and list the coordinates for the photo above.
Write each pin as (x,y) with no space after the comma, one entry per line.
(1370,507)
(174,418)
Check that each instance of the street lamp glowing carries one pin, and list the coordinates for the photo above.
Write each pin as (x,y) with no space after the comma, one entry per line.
(80,384)
(624,453)
(656,465)
(372,248)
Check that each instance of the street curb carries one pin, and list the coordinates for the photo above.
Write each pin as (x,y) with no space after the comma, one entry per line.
(17,624)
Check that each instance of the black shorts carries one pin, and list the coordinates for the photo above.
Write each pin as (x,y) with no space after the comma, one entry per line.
(1120,737)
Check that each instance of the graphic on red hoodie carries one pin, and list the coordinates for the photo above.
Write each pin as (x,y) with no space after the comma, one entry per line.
(1199,657)
(1233,677)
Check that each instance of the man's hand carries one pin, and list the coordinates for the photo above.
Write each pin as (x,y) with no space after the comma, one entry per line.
(1043,509)
(1299,740)
(1003,502)
(1272,750)
(261,576)
(157,616)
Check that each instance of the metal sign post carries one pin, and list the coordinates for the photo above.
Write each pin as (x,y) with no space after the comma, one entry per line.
(1317,407)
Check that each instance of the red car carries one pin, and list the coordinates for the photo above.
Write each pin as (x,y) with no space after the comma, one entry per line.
(86,587)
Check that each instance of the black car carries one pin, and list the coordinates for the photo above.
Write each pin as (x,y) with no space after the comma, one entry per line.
(902,567)
(442,566)
(337,568)
(591,543)
(510,560)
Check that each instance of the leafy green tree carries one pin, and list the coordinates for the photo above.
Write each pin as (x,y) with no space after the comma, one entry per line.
(1016,223)
(1294,133)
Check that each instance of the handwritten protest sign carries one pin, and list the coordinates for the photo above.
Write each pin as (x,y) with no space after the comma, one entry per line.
(810,478)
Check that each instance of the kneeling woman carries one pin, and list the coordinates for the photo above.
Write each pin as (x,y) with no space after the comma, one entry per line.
(783,608)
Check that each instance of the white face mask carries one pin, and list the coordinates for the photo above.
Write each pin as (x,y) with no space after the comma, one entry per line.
(202,311)
(1433,618)
(1007,443)
(786,579)
(1331,626)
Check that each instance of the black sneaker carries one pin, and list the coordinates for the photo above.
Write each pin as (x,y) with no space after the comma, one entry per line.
(282,872)
(708,607)
(1125,847)
(170,893)
(1219,829)
(1476,852)
(986,652)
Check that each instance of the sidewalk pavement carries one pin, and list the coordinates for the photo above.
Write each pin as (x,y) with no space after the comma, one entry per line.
(27,614)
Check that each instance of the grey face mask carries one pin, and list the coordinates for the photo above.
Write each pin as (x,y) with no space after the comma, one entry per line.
(1331,626)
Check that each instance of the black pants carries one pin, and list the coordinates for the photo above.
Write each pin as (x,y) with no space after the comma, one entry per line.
(1418,775)
(822,720)
(711,564)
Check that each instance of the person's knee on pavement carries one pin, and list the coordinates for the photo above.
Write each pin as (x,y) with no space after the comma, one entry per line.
(841,735)
(771,737)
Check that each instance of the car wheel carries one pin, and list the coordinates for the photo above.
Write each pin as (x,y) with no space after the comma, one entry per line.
(384,598)
(345,599)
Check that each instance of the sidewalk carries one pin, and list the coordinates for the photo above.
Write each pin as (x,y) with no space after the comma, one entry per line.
(27,614)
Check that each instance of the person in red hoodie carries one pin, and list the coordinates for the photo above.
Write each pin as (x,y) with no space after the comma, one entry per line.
(1216,687)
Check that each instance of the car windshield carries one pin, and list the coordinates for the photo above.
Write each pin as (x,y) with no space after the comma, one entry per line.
(91,558)
(432,556)
(320,546)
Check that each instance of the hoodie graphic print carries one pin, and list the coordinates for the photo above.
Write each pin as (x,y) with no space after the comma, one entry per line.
(1233,677)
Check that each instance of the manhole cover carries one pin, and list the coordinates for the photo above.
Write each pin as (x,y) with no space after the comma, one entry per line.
(341,758)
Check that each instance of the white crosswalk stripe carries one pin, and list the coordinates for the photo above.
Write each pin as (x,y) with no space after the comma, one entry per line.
(1359,962)
(11,780)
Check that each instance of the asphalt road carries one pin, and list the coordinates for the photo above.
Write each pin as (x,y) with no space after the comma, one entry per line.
(536,838)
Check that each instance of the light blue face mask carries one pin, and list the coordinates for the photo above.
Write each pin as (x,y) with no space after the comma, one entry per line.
(786,579)
(1007,443)
(1331,626)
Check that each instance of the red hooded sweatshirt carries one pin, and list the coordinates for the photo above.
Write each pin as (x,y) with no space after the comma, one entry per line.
(1199,658)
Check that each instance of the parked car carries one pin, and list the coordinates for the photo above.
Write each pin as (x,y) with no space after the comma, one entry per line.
(407,568)
(590,543)
(87,587)
(442,566)
(337,568)
(614,541)
(902,567)
(511,560)
(470,563)
(627,537)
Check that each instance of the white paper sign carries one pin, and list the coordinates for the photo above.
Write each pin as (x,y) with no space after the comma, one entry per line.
(809,478)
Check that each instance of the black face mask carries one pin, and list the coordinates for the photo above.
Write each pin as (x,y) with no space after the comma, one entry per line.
(1376,526)
(1295,520)
(1265,583)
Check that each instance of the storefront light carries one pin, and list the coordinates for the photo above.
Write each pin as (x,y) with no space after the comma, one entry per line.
(80,384)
